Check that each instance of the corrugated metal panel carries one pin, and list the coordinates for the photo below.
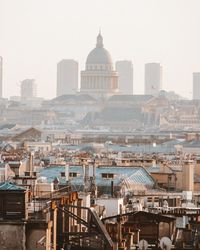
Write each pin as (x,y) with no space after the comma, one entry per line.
(10,186)
(137,175)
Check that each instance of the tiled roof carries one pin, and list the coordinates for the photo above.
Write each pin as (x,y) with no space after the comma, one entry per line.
(10,186)
(176,168)
(154,169)
(7,126)
(159,169)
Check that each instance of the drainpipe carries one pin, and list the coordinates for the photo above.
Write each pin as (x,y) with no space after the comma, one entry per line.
(112,189)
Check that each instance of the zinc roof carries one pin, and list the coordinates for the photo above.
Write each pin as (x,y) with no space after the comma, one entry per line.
(10,186)
(134,175)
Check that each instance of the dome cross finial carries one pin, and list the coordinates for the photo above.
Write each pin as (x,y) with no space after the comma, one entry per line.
(99,43)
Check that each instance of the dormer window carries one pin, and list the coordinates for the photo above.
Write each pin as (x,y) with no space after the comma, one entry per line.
(73,174)
(107,175)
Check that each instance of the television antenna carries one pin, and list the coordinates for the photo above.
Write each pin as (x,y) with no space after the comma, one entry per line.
(165,243)
(143,245)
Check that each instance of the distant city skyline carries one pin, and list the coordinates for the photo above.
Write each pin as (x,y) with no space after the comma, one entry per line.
(36,35)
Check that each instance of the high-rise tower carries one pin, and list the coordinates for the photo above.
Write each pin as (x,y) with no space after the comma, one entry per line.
(125,74)
(196,85)
(67,77)
(28,89)
(153,78)
(1,76)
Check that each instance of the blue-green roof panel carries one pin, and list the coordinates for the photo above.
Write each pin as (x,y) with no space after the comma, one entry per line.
(134,175)
(10,186)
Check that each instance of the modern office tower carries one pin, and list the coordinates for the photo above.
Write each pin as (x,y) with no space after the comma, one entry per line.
(67,77)
(99,79)
(196,85)
(153,78)
(28,89)
(1,75)
(125,77)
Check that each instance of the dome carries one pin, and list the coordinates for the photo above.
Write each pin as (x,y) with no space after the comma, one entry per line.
(99,55)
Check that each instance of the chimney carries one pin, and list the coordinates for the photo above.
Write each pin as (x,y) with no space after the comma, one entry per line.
(14,166)
(67,172)
(30,164)
(188,176)
(86,177)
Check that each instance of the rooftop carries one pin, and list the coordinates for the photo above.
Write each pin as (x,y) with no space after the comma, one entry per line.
(132,175)
(10,186)
(130,98)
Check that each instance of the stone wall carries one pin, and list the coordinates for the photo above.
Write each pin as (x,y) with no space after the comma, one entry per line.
(34,239)
(12,236)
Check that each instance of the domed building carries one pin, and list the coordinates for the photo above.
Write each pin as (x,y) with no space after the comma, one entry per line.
(99,79)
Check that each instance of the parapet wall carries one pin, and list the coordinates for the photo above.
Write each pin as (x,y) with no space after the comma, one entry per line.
(12,236)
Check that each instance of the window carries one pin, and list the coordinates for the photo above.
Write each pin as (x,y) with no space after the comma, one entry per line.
(72,174)
(24,181)
(107,175)
(169,178)
(62,174)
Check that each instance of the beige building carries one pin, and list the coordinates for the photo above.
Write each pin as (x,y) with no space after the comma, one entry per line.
(38,146)
(176,177)
(99,79)
(188,176)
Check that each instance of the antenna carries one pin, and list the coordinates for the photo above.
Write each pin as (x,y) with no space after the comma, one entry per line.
(165,243)
(143,245)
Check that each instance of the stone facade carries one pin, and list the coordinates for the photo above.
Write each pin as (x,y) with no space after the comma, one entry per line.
(99,79)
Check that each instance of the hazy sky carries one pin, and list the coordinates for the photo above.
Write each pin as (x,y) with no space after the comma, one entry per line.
(36,34)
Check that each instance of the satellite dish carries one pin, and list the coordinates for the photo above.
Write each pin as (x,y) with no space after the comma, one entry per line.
(143,245)
(165,243)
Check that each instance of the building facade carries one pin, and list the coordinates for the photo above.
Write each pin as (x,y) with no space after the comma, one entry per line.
(67,77)
(99,79)
(28,89)
(153,78)
(196,86)
(125,72)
